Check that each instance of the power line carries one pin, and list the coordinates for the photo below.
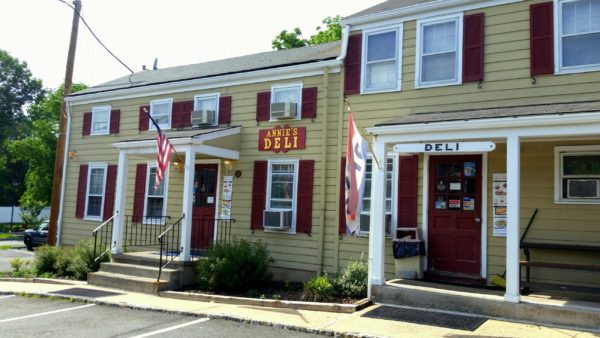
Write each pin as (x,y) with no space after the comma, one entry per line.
(96,37)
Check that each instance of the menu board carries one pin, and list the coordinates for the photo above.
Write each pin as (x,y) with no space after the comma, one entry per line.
(499,200)
(227,191)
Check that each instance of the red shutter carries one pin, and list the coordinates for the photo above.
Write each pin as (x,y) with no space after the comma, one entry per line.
(309,103)
(109,192)
(87,124)
(352,65)
(541,30)
(263,106)
(115,120)
(305,197)
(177,115)
(259,194)
(139,192)
(81,191)
(473,37)
(225,110)
(143,125)
(408,178)
(186,115)
(342,209)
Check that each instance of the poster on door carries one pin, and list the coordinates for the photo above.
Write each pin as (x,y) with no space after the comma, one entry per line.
(499,204)
(227,192)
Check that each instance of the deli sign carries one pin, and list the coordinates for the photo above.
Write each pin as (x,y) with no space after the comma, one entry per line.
(283,139)
(450,147)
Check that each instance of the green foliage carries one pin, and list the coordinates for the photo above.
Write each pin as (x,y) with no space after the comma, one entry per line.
(236,266)
(30,213)
(352,280)
(21,268)
(45,259)
(73,262)
(318,289)
(293,39)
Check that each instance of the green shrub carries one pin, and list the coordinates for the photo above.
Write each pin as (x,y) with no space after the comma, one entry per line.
(352,281)
(21,268)
(237,266)
(45,259)
(73,262)
(318,289)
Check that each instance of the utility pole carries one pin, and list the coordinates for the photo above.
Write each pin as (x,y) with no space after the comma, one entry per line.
(62,129)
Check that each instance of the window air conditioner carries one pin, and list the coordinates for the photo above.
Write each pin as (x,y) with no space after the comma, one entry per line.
(203,117)
(583,188)
(277,220)
(283,110)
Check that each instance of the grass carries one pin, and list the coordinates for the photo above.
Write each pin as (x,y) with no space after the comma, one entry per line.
(8,236)
(5,247)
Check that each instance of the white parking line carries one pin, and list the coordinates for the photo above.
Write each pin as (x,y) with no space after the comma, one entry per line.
(45,313)
(6,296)
(171,328)
(21,251)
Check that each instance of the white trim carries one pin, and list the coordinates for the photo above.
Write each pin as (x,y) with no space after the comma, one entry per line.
(425,209)
(295,85)
(217,152)
(216,96)
(394,197)
(345,36)
(558,38)
(94,111)
(104,167)
(179,141)
(165,193)
(170,114)
(484,213)
(217,191)
(64,175)
(421,23)
(399,30)
(296,163)
(259,76)
(558,166)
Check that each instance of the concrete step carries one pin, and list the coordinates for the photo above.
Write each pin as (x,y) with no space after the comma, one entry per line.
(136,259)
(127,282)
(173,276)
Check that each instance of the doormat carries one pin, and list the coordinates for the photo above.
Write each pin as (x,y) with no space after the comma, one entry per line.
(89,293)
(447,320)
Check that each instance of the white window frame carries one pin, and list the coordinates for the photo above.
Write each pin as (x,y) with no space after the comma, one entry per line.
(97,110)
(296,163)
(394,197)
(95,165)
(165,196)
(559,151)
(399,29)
(160,101)
(421,23)
(298,86)
(215,96)
(558,37)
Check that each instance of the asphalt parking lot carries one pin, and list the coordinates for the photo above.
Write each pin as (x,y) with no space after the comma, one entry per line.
(36,317)
(17,250)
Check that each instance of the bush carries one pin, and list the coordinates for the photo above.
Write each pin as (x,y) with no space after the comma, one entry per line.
(45,259)
(237,266)
(74,262)
(21,268)
(352,281)
(318,289)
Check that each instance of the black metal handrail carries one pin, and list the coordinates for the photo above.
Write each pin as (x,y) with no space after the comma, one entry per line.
(170,245)
(144,231)
(105,230)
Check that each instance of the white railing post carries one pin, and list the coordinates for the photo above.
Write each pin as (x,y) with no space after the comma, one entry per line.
(377,225)
(513,175)
(188,199)
(120,198)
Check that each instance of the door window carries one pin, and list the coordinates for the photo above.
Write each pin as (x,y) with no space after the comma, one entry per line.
(205,179)
(455,185)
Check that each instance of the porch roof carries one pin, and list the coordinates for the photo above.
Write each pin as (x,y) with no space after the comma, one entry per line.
(172,135)
(495,113)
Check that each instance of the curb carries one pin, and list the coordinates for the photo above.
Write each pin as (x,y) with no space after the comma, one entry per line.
(42,280)
(281,304)
(295,328)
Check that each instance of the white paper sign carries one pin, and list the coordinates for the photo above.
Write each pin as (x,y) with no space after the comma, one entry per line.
(499,198)
(227,192)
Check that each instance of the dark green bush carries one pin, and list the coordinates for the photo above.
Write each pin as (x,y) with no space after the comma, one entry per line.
(237,266)
(318,289)
(352,280)
(72,262)
(45,259)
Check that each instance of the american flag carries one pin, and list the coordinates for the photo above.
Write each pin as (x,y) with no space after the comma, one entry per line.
(355,176)
(164,149)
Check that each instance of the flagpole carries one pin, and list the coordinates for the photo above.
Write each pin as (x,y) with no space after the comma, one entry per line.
(172,146)
(368,143)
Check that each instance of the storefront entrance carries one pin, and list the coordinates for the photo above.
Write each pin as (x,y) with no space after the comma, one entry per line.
(454,212)
(204,204)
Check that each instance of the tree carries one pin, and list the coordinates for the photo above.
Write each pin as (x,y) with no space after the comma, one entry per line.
(293,39)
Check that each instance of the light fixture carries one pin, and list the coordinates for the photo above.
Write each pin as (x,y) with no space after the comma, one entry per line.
(177,165)
(228,166)
(72,154)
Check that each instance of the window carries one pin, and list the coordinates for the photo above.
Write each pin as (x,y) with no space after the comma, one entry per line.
(160,110)
(282,187)
(100,120)
(439,51)
(578,35)
(577,174)
(290,93)
(155,207)
(95,191)
(382,69)
(208,102)
(365,214)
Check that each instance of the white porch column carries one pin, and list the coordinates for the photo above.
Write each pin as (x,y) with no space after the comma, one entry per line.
(120,198)
(513,172)
(377,226)
(188,199)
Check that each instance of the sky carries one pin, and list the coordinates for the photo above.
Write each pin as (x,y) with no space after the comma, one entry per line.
(177,32)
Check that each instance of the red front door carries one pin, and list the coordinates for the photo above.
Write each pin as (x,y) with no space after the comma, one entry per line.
(454,224)
(205,201)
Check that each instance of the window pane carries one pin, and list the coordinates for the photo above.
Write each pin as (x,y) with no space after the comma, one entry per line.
(160,113)
(581,165)
(439,38)
(100,122)
(154,207)
(94,205)
(209,104)
(282,186)
(286,95)
(96,181)
(439,67)
(381,46)
(381,75)
(581,50)
(151,181)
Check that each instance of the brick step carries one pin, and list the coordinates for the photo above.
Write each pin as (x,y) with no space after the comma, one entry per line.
(127,282)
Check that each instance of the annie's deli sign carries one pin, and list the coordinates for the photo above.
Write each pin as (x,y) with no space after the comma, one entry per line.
(448,147)
(283,139)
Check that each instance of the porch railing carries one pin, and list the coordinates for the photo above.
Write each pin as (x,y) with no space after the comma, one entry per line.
(170,245)
(144,231)
(103,238)
(203,234)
